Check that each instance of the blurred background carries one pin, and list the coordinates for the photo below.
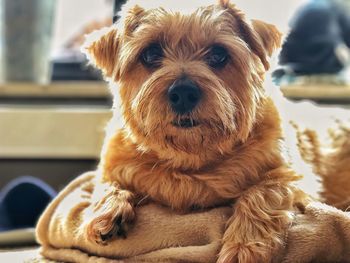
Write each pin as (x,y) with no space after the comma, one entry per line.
(53,106)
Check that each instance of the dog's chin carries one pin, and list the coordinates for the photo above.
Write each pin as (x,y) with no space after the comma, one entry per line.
(179,138)
(185,123)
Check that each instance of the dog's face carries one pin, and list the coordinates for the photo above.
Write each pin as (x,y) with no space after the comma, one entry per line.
(190,83)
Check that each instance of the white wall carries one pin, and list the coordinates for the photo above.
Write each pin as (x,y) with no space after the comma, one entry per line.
(277,12)
(72,15)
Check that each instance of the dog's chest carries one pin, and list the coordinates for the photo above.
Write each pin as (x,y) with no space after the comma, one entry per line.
(177,189)
(181,190)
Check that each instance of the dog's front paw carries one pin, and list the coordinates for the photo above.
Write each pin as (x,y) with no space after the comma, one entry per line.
(115,217)
(253,252)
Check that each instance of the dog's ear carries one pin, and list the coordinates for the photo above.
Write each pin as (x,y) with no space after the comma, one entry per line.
(101,49)
(132,19)
(269,35)
(255,33)
(102,46)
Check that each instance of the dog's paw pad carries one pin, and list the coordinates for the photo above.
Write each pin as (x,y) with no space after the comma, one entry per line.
(107,226)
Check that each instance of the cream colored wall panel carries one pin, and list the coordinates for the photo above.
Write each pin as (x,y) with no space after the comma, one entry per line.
(52,132)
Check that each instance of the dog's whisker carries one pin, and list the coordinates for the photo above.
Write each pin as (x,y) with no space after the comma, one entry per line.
(141,200)
(155,165)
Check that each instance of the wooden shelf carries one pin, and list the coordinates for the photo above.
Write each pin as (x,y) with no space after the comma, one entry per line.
(317,92)
(99,89)
(64,89)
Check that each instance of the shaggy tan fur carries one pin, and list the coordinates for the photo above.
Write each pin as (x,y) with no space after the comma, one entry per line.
(234,156)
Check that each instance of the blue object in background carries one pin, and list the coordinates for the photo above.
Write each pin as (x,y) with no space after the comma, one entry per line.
(22,201)
(319,30)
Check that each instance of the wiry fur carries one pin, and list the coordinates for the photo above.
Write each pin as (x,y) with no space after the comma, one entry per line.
(233,156)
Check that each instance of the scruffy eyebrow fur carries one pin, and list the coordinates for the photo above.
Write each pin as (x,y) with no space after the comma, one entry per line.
(159,26)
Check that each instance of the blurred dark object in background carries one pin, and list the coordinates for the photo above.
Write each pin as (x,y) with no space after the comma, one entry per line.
(116,8)
(22,201)
(72,65)
(319,40)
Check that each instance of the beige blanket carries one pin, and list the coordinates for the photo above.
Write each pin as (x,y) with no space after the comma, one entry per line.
(320,234)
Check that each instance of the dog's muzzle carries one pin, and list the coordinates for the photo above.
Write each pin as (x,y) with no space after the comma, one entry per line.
(184,95)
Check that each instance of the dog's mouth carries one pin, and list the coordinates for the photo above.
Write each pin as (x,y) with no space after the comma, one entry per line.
(185,123)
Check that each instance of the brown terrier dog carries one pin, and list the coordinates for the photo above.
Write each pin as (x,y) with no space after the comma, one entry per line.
(199,130)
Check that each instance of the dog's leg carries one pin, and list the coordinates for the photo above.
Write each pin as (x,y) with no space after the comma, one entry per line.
(113,208)
(112,215)
(257,226)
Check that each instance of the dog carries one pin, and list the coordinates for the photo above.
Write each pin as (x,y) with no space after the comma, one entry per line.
(199,127)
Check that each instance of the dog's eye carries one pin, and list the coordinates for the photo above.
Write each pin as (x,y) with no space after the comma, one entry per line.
(151,56)
(217,57)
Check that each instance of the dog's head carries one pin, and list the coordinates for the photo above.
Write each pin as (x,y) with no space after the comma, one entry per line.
(190,82)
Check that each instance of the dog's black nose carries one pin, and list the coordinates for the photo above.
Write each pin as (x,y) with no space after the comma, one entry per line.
(184,95)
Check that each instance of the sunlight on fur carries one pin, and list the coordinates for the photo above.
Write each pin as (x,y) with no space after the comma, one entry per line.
(218,139)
